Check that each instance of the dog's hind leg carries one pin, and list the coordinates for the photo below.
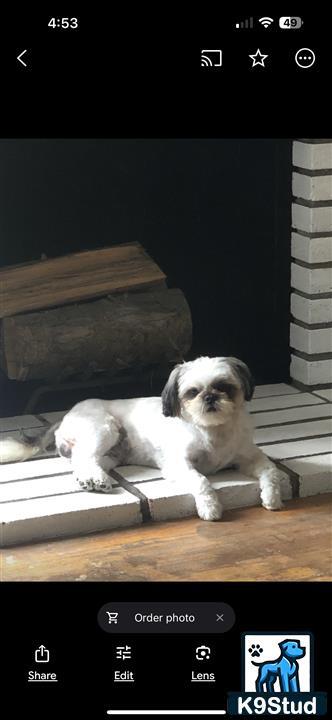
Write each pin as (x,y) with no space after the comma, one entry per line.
(91,465)
(263,678)
(259,685)
(87,438)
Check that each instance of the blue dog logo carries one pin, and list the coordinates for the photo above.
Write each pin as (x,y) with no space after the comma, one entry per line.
(281,686)
(285,668)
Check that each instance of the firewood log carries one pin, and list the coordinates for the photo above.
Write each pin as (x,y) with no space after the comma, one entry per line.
(130,330)
(66,279)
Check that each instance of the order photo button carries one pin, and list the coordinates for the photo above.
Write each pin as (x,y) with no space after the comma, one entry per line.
(165,617)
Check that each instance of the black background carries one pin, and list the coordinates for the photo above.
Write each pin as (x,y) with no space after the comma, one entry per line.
(137,74)
(63,617)
(213,213)
(130,96)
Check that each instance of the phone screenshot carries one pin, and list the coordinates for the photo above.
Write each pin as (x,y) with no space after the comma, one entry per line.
(165,363)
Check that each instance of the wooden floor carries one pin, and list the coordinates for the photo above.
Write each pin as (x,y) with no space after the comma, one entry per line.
(249,544)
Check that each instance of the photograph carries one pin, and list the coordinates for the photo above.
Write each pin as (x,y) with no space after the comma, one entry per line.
(165,359)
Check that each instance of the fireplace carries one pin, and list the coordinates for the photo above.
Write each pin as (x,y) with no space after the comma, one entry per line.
(214,215)
(204,255)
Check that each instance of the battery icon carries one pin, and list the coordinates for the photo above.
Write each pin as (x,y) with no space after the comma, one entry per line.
(290,23)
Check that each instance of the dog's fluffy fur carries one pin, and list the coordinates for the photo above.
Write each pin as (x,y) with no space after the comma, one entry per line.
(198,426)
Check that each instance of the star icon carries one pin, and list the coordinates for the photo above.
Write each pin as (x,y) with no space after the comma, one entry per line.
(258,58)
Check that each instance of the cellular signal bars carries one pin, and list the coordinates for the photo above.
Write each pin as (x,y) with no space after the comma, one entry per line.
(246,24)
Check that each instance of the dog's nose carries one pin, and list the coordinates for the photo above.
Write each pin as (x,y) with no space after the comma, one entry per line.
(210,398)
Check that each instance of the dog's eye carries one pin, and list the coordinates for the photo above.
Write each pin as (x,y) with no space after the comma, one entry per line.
(192,392)
(225,388)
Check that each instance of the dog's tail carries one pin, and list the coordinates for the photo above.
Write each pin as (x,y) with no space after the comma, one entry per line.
(12,450)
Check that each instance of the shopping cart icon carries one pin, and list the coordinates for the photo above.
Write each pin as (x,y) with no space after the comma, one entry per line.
(112,617)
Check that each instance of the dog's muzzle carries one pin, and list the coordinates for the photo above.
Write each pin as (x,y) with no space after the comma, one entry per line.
(210,402)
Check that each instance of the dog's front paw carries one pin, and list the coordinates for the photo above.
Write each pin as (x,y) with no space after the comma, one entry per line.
(208,506)
(273,506)
(271,499)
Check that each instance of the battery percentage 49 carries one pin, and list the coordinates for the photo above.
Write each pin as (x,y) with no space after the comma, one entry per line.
(290,23)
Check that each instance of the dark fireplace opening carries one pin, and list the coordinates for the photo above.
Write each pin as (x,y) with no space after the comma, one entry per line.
(213,214)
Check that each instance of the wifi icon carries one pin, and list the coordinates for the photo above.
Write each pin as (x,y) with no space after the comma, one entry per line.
(266,21)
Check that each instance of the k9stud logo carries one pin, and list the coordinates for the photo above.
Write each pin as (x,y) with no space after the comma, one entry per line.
(277,663)
(277,676)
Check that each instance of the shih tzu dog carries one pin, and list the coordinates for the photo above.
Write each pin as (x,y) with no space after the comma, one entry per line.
(198,426)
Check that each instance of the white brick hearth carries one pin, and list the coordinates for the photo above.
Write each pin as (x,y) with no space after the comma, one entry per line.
(39,498)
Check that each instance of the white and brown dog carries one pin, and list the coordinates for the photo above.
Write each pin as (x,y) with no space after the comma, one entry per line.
(198,426)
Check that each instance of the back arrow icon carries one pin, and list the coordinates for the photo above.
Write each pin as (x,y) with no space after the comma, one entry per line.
(19,58)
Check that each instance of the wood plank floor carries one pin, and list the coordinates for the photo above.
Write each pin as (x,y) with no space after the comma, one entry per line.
(249,544)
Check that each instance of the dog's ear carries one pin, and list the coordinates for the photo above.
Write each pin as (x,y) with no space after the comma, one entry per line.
(286,641)
(170,394)
(244,375)
(283,644)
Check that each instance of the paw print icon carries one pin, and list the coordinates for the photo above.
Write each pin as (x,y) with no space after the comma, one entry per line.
(255,650)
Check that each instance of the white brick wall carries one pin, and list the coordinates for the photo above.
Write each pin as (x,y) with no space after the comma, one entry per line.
(311,311)
(312,188)
(313,281)
(311,270)
(312,219)
(311,341)
(311,249)
(311,372)
(312,156)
